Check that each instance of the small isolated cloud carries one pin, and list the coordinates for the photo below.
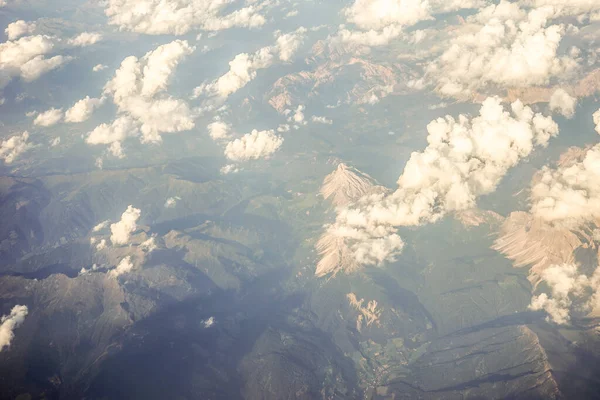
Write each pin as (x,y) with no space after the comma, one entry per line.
(219,130)
(208,322)
(101,226)
(14,146)
(113,134)
(298,116)
(563,103)
(99,67)
(48,118)
(252,146)
(321,120)
(596,118)
(229,169)
(171,202)
(124,267)
(83,109)
(85,39)
(55,142)
(9,323)
(121,231)
(19,28)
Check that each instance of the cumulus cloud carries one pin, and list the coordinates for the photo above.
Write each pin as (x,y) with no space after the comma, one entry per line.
(569,291)
(9,323)
(14,146)
(26,58)
(121,231)
(83,109)
(177,17)
(501,52)
(243,68)
(596,118)
(563,102)
(252,146)
(19,28)
(85,39)
(101,226)
(569,194)
(48,118)
(125,266)
(229,169)
(171,202)
(138,90)
(219,130)
(566,7)
(465,158)
(321,120)
(99,67)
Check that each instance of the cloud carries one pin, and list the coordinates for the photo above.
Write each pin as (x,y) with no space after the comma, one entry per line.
(113,134)
(99,67)
(125,266)
(596,118)
(48,118)
(13,147)
(465,158)
(19,28)
(171,202)
(321,120)
(85,39)
(138,90)
(219,130)
(252,146)
(566,7)
(229,169)
(101,226)
(178,17)
(208,322)
(563,103)
(569,290)
(9,323)
(501,53)
(121,231)
(26,58)
(377,14)
(243,68)
(83,109)
(570,193)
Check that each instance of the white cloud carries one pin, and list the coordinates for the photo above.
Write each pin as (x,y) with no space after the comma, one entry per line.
(252,146)
(596,118)
(85,39)
(55,142)
(563,103)
(125,266)
(377,14)
(138,90)
(321,120)
(113,134)
(121,231)
(501,53)
(208,322)
(100,226)
(177,17)
(26,58)
(566,7)
(99,67)
(229,169)
(9,323)
(19,28)
(171,202)
(569,194)
(13,147)
(83,109)
(48,118)
(243,68)
(465,158)
(569,290)
(219,130)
